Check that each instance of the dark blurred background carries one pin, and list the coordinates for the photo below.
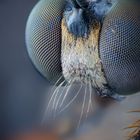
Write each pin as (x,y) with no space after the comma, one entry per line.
(21,86)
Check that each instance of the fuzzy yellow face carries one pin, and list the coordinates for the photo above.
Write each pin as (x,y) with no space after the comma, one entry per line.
(80,57)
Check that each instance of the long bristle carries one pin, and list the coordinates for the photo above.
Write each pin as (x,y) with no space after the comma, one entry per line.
(135,134)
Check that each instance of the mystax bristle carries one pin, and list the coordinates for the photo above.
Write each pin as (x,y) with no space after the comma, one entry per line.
(120,46)
(43,37)
(134,128)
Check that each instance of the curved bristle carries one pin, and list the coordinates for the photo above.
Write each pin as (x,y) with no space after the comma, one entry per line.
(135,134)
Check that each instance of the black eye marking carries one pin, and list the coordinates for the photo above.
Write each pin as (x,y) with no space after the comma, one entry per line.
(109,2)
